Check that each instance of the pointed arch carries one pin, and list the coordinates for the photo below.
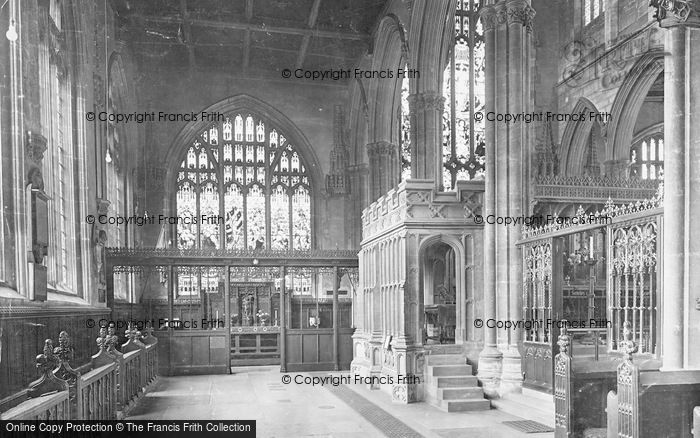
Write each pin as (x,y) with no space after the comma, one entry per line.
(245,103)
(628,101)
(575,139)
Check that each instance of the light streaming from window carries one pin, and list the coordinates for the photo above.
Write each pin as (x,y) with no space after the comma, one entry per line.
(464,91)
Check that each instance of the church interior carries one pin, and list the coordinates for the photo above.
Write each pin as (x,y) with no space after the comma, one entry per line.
(430,217)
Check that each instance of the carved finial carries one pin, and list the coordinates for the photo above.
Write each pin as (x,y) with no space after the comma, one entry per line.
(64,352)
(112,336)
(132,333)
(46,361)
(609,204)
(627,346)
(580,212)
(102,339)
(564,339)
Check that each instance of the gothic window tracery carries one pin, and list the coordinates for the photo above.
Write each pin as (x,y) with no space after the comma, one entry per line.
(248,187)
(464,91)
(647,157)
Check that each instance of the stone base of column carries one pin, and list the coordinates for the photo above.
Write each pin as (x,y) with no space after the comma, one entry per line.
(512,374)
(489,374)
(405,393)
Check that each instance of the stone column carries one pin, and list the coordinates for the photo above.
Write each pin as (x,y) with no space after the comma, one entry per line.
(383,168)
(426,135)
(674,198)
(490,358)
(681,182)
(519,15)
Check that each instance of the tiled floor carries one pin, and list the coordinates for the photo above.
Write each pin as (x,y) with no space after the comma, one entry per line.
(309,411)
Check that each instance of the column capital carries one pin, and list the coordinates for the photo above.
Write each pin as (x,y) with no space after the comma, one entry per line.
(381,148)
(488,17)
(421,102)
(671,13)
(520,12)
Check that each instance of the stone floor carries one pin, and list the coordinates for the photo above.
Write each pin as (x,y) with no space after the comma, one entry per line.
(310,411)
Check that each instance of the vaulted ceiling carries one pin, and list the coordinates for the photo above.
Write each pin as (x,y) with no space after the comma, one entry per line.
(249,36)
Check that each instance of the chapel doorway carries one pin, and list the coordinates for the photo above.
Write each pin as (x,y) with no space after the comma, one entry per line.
(439,294)
(255,330)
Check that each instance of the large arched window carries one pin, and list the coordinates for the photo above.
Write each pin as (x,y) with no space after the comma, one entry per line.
(246,185)
(464,90)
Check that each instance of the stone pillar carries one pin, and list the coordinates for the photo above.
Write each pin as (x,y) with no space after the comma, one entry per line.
(426,136)
(490,358)
(519,16)
(383,167)
(674,198)
(681,230)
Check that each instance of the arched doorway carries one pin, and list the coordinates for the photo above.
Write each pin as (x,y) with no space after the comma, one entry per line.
(440,293)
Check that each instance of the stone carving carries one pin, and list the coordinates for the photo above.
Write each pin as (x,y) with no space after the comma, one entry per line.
(681,10)
(422,102)
(609,210)
(520,13)
(338,182)
(488,18)
(398,393)
(35,146)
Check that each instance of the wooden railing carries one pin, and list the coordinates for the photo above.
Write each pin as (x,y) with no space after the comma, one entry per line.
(112,382)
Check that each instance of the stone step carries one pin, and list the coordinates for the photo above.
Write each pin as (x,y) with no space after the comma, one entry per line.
(444,349)
(460,393)
(446,359)
(456,382)
(465,405)
(449,370)
(538,408)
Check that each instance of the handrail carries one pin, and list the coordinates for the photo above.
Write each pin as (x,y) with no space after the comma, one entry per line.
(53,406)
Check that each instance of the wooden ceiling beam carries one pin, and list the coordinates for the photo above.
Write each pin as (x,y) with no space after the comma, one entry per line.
(285,30)
(187,34)
(247,36)
(306,41)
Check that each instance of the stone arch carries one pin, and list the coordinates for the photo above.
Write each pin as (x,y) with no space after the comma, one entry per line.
(574,142)
(390,49)
(178,148)
(628,102)
(457,245)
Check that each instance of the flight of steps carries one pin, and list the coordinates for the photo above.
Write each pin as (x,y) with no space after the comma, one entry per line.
(450,385)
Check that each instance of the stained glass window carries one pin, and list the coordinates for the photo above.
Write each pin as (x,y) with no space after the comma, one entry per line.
(647,157)
(592,9)
(405,129)
(464,90)
(246,187)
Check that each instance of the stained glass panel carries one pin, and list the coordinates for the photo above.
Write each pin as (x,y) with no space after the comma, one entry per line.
(405,129)
(464,91)
(301,218)
(279,205)
(240,193)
